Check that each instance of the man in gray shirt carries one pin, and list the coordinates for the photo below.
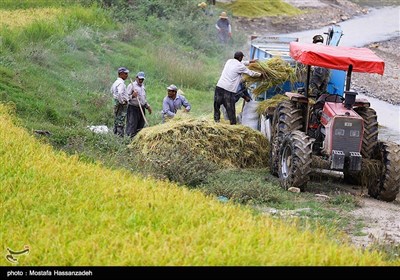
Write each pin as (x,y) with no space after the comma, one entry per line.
(135,118)
(173,102)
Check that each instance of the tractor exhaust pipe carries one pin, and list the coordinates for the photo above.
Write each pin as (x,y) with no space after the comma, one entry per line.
(350,96)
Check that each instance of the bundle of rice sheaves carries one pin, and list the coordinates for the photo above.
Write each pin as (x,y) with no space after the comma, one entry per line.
(275,71)
(270,103)
(232,146)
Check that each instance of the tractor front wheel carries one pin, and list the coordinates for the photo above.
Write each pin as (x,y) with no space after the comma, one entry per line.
(370,139)
(287,117)
(295,160)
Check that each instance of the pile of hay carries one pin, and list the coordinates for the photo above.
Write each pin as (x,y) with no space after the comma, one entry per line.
(275,71)
(225,145)
(270,103)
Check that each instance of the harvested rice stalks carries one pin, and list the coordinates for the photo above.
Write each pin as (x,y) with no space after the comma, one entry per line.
(275,71)
(271,102)
(226,145)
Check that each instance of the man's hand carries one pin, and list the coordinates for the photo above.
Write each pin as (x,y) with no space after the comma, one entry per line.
(149,109)
(257,74)
(186,110)
(134,93)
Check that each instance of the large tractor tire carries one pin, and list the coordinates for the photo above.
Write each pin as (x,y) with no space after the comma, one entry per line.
(295,160)
(274,145)
(287,117)
(370,139)
(388,184)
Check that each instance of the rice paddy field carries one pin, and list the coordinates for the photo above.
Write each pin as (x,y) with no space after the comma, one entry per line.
(13,19)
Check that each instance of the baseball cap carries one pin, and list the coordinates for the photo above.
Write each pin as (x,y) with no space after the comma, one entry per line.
(238,55)
(172,87)
(140,75)
(123,70)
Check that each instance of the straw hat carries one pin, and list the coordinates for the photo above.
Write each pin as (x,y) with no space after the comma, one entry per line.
(223,15)
(202,5)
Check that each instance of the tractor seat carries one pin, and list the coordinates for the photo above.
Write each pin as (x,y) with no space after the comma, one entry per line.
(330,98)
(319,104)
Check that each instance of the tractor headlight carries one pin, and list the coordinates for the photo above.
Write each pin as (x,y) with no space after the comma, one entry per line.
(354,133)
(339,131)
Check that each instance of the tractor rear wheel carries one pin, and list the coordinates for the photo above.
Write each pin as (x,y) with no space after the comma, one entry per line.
(370,139)
(287,117)
(274,145)
(295,160)
(388,184)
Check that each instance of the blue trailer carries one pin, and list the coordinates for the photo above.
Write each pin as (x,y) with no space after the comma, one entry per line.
(264,48)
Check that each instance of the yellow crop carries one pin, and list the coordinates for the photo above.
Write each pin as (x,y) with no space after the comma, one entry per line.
(21,18)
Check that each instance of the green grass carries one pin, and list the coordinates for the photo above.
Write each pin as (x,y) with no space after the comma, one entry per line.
(25,4)
(358,228)
(256,187)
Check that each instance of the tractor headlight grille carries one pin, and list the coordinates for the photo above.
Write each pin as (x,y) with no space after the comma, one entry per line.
(347,135)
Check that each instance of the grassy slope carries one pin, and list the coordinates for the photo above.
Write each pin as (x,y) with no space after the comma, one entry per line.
(72,213)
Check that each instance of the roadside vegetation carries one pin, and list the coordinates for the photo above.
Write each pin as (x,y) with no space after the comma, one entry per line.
(57,63)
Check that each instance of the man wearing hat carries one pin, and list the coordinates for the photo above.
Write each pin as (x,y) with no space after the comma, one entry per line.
(228,86)
(120,95)
(135,118)
(202,5)
(173,102)
(320,76)
(224,28)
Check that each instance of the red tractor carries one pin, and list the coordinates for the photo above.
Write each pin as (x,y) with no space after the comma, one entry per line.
(332,132)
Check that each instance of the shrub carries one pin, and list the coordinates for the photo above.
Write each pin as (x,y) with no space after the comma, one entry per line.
(181,166)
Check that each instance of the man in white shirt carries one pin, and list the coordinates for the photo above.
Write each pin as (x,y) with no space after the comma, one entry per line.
(120,95)
(228,85)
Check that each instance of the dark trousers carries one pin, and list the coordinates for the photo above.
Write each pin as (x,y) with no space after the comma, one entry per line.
(223,36)
(134,120)
(226,98)
(119,118)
